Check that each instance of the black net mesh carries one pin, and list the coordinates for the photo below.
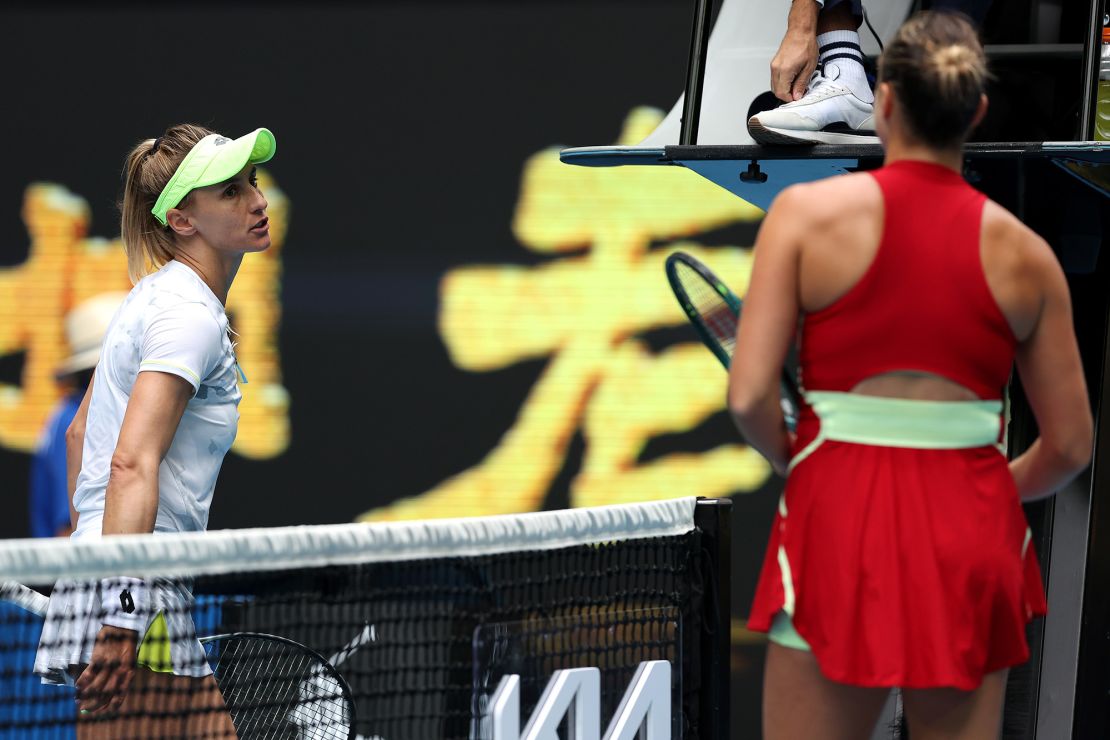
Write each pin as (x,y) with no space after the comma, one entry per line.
(391,650)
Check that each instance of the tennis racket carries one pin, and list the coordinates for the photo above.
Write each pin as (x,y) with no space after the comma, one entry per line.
(276,688)
(273,687)
(24,598)
(714,310)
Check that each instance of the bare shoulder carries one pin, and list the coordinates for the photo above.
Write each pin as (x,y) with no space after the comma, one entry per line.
(831,200)
(1009,244)
(1021,269)
(837,226)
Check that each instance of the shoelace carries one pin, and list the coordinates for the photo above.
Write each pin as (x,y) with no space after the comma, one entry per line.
(817,80)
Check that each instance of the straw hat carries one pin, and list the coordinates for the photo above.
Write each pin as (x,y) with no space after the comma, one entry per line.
(86,325)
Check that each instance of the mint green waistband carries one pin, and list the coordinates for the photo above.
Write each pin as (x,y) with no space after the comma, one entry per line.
(901,422)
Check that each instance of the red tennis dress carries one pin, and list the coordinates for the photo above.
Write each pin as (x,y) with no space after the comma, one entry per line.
(903,566)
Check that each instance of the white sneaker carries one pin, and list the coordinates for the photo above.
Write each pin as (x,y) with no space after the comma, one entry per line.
(829,113)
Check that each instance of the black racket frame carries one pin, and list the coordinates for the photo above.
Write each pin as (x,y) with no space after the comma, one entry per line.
(325,664)
(789,387)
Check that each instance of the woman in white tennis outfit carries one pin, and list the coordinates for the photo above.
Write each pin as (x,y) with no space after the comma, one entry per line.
(146,445)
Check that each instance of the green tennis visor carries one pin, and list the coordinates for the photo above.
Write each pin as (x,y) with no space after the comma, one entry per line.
(212,160)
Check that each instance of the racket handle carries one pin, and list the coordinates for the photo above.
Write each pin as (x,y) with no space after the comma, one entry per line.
(789,413)
(24,597)
(789,399)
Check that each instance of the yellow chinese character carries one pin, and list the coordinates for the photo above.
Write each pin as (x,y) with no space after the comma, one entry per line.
(586,311)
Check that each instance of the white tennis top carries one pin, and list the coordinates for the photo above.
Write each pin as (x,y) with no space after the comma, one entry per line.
(170,322)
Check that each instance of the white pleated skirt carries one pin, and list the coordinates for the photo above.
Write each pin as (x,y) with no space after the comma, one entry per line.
(73,621)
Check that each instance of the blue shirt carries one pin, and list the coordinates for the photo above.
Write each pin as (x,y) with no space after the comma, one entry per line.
(49,505)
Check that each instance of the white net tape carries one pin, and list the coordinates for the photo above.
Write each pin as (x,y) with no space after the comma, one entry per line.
(227,551)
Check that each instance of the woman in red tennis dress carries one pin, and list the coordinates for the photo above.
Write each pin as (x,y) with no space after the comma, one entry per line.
(900,555)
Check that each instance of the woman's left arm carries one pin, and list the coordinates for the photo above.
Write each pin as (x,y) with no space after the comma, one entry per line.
(766,330)
(75,442)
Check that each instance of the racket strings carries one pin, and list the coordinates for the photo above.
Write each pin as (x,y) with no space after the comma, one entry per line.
(274,690)
(712,309)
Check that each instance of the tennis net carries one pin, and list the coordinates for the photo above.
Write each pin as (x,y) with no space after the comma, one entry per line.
(421,630)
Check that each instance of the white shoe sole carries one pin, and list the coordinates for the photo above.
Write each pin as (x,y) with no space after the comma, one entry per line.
(791,137)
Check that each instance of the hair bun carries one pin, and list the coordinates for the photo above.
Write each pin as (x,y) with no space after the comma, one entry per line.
(936,67)
(955,58)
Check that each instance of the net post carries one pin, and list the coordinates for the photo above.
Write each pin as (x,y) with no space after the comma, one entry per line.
(712,517)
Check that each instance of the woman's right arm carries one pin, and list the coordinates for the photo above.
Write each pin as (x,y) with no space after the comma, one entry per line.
(1051,374)
(154,411)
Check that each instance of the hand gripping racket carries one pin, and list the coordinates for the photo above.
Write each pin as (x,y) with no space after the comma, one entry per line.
(714,310)
(273,687)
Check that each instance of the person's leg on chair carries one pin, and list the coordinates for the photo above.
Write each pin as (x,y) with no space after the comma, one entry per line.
(819,70)
(799,50)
